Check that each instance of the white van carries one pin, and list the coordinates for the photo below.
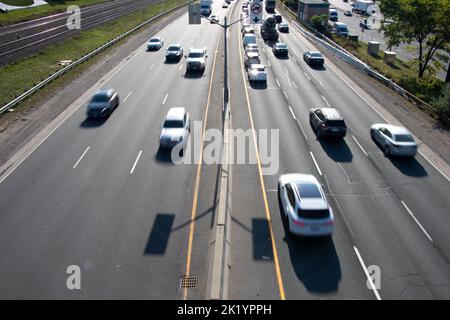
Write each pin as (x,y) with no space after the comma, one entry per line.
(249,38)
(341,29)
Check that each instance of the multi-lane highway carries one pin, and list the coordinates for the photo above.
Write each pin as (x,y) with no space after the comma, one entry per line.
(102,196)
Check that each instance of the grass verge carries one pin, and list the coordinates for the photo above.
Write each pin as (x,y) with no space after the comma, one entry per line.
(17,77)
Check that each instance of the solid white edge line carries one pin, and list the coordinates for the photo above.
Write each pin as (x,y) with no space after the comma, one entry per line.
(417,221)
(136,161)
(165,98)
(180,67)
(295,86)
(315,162)
(360,146)
(292,112)
(126,98)
(372,285)
(82,156)
(434,166)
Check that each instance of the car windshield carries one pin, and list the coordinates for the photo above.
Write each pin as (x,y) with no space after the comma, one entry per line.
(195,55)
(316,54)
(173,48)
(154,40)
(281,45)
(100,98)
(260,69)
(252,50)
(403,138)
(308,190)
(173,124)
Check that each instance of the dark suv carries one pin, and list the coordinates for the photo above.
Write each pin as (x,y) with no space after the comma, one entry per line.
(327,122)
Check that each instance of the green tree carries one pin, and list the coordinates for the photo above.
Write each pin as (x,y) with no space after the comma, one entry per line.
(319,22)
(442,103)
(423,21)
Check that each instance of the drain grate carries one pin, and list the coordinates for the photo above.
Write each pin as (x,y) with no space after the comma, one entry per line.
(188,282)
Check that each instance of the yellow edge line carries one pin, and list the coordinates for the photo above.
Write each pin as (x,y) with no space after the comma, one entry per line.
(197,179)
(263,188)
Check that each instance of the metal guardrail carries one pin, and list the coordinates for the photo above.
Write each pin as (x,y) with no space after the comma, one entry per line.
(350,58)
(59,73)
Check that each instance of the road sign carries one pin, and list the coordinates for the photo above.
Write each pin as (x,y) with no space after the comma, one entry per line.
(256,11)
(194,13)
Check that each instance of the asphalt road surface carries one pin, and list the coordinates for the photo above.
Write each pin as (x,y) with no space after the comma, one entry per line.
(100,195)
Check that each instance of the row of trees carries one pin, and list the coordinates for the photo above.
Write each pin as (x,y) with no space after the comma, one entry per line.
(425,22)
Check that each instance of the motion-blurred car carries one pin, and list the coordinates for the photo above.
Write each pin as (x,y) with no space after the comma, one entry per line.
(305,209)
(214,19)
(394,140)
(314,58)
(174,52)
(225,5)
(283,27)
(196,60)
(327,122)
(348,13)
(280,49)
(175,128)
(103,103)
(257,73)
(155,43)
(363,23)
(278,18)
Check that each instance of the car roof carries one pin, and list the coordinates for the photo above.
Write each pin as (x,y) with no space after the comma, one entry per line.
(258,65)
(196,50)
(331,114)
(280,44)
(340,23)
(176,113)
(396,129)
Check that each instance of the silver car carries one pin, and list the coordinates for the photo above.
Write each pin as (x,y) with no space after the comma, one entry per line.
(155,43)
(103,103)
(304,206)
(175,128)
(394,140)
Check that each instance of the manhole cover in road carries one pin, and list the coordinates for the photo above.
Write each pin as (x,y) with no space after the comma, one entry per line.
(188,282)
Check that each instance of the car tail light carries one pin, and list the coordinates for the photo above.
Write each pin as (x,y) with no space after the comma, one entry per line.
(329,223)
(299,223)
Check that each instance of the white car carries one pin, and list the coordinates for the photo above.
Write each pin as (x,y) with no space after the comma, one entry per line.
(252,47)
(225,5)
(304,206)
(196,60)
(257,73)
(155,43)
(394,140)
(175,128)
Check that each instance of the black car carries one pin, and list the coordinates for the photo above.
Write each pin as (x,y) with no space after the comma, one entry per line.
(283,27)
(314,58)
(102,103)
(327,122)
(174,52)
(278,18)
(280,49)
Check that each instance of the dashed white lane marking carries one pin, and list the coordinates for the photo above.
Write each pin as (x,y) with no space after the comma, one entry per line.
(301,128)
(126,98)
(417,221)
(165,98)
(360,146)
(369,279)
(315,162)
(326,101)
(181,67)
(136,161)
(307,76)
(292,113)
(278,82)
(82,156)
(151,67)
